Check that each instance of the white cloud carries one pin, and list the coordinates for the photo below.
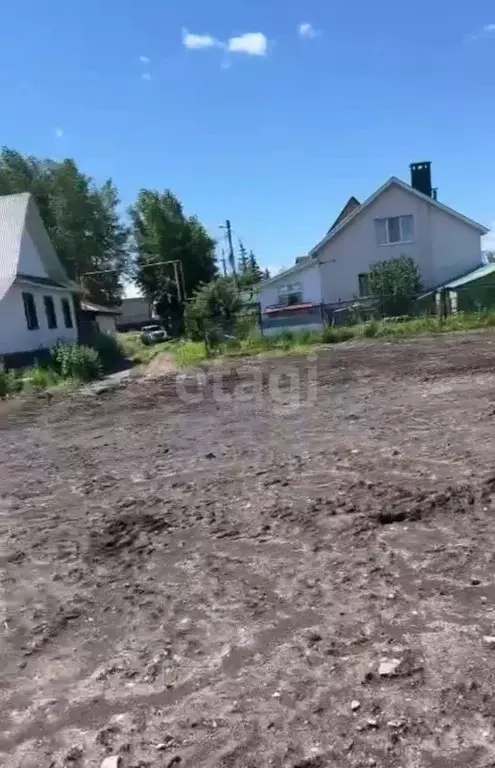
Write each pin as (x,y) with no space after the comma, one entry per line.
(144,59)
(59,132)
(487,31)
(197,42)
(251,43)
(146,76)
(307,30)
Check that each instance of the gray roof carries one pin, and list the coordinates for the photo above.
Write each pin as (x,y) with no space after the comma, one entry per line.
(98,309)
(19,214)
(476,274)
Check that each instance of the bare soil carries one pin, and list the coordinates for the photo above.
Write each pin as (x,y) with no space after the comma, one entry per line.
(255,583)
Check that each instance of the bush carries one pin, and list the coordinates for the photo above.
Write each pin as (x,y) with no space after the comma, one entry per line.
(370,329)
(72,361)
(109,349)
(10,382)
(394,283)
(41,377)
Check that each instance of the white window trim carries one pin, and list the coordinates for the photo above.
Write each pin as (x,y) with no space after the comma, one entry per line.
(397,242)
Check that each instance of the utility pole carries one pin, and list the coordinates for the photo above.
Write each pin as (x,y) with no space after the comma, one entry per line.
(231,248)
(224,265)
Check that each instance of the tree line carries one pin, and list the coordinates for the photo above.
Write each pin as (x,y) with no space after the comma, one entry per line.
(101,248)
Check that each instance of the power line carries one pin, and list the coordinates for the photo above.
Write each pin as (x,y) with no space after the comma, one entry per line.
(178,270)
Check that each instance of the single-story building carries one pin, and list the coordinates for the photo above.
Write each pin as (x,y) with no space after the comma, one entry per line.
(94,317)
(37,307)
(295,301)
(468,293)
(398,219)
(135,313)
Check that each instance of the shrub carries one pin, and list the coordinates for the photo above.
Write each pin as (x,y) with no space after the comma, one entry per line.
(109,349)
(73,361)
(394,283)
(40,377)
(370,329)
(10,382)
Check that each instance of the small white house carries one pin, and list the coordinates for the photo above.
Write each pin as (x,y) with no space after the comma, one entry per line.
(398,219)
(292,299)
(36,296)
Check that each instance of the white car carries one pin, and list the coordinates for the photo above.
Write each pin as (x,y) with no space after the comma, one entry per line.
(152,334)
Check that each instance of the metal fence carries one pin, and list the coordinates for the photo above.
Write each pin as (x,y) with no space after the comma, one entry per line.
(470,297)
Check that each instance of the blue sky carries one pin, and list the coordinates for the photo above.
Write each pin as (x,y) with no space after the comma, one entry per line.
(269,112)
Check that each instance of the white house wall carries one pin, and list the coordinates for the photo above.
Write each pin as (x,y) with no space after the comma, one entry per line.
(30,262)
(443,247)
(14,334)
(456,247)
(106,324)
(308,278)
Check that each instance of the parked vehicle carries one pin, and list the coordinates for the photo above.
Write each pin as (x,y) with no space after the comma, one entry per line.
(152,334)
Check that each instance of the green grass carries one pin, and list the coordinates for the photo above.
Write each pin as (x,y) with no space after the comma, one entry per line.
(140,353)
(192,353)
(188,353)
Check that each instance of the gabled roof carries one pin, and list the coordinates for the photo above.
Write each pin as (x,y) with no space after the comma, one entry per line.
(394,181)
(18,214)
(288,272)
(348,208)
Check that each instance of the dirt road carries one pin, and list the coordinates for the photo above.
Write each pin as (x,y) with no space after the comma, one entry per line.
(224,582)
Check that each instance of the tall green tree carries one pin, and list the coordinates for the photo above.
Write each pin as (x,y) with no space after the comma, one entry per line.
(81,218)
(254,267)
(163,233)
(243,259)
(213,310)
(250,273)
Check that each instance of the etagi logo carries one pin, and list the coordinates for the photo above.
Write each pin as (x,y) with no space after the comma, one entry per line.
(285,385)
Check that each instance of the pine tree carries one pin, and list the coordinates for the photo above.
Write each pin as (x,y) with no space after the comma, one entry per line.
(243,259)
(254,268)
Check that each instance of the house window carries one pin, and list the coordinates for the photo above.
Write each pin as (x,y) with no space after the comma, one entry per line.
(290,294)
(51,315)
(67,313)
(396,229)
(364,280)
(30,311)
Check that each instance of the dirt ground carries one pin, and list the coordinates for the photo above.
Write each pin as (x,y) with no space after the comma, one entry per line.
(221,582)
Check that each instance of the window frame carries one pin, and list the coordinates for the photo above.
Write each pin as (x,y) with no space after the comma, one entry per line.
(50,312)
(30,311)
(286,291)
(385,220)
(363,283)
(67,312)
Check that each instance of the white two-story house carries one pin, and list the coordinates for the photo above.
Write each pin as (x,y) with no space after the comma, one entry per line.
(398,219)
(36,297)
